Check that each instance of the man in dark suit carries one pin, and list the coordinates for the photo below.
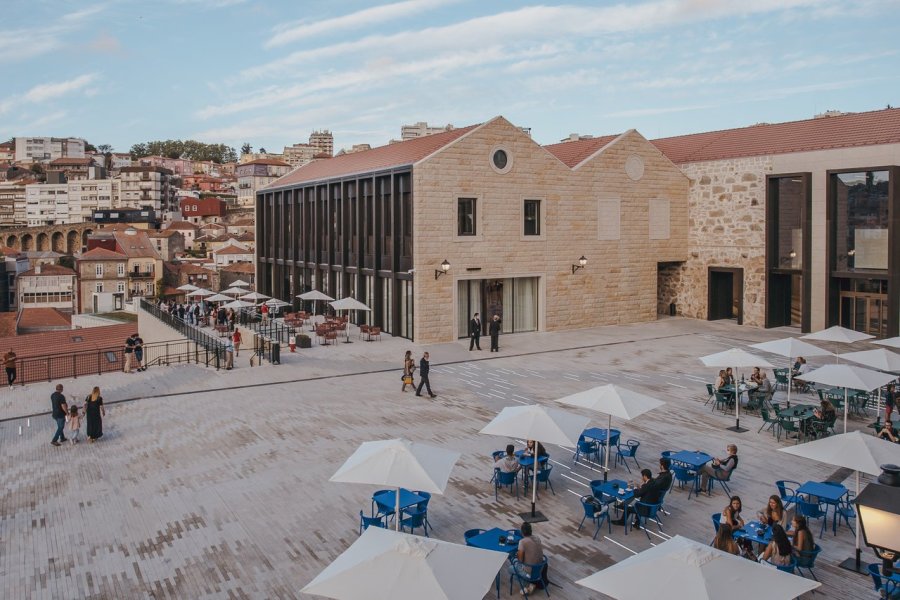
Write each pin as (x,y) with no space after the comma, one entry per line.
(494,329)
(424,367)
(649,492)
(475,332)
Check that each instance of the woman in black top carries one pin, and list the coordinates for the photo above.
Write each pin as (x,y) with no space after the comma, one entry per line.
(94,413)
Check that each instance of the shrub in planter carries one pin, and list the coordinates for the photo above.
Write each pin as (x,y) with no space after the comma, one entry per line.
(303,341)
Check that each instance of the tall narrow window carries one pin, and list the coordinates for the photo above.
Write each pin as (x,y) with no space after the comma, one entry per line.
(532,217)
(465,216)
(98,270)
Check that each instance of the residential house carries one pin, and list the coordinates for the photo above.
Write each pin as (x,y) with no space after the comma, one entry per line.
(182,273)
(128,267)
(237,272)
(14,263)
(187,229)
(232,253)
(47,286)
(203,210)
(147,187)
(46,149)
(102,280)
(169,243)
(255,175)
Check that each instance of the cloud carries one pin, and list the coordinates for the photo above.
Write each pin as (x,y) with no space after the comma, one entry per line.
(647,112)
(17,45)
(46,120)
(48,91)
(292,32)
(105,43)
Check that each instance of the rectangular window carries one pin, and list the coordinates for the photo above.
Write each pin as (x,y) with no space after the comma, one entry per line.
(120,287)
(120,270)
(98,287)
(465,221)
(98,270)
(862,219)
(532,215)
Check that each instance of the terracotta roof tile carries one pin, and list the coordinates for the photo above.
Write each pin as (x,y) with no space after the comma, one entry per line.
(7,329)
(266,161)
(183,225)
(43,317)
(573,153)
(48,270)
(241,267)
(102,254)
(70,341)
(72,161)
(376,159)
(136,245)
(233,250)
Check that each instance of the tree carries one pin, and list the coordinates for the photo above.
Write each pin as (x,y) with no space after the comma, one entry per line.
(104,148)
(262,150)
(246,148)
(188,149)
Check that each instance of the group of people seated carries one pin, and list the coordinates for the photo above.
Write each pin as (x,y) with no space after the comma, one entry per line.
(783,545)
(509,462)
(762,386)
(651,490)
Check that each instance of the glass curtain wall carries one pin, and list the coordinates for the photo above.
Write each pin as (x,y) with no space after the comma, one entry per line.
(862,220)
(514,299)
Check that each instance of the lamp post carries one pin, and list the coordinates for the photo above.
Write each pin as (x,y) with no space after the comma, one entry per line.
(878,511)
(445,266)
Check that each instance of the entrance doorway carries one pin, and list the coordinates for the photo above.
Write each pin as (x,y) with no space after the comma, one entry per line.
(784,296)
(725,294)
(864,306)
(515,300)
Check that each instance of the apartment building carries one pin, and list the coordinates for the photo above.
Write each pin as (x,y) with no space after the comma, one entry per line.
(147,186)
(169,243)
(74,168)
(46,149)
(70,202)
(47,286)
(118,266)
(257,174)
(421,129)
(231,253)
(12,203)
(300,154)
(323,140)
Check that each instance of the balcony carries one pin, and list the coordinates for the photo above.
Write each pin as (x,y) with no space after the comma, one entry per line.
(140,274)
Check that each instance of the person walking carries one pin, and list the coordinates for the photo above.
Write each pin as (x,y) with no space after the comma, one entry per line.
(475,332)
(494,329)
(424,367)
(93,414)
(129,351)
(409,367)
(236,340)
(264,311)
(74,420)
(229,354)
(9,361)
(60,408)
(139,353)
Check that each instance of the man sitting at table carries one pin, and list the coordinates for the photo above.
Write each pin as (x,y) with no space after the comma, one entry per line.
(719,468)
(508,463)
(664,477)
(649,492)
(531,552)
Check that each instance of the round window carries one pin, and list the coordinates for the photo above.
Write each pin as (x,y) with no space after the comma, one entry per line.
(500,159)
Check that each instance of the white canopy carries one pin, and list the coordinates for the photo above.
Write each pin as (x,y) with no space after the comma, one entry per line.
(893,342)
(240,283)
(236,304)
(349,304)
(854,450)
(881,359)
(791,347)
(387,565)
(536,422)
(315,295)
(234,291)
(187,287)
(848,377)
(275,303)
(838,334)
(254,296)
(682,569)
(399,463)
(218,298)
(200,292)
(735,357)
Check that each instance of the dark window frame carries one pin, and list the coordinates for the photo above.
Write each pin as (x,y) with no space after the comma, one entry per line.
(535,220)
(471,215)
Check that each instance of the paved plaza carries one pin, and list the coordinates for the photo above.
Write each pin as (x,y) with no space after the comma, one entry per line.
(215,484)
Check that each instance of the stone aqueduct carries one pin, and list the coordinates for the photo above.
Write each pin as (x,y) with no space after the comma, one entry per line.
(65,239)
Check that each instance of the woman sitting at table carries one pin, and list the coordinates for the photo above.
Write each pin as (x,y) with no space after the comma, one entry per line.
(529,449)
(729,376)
(826,411)
(779,550)
(731,514)
(724,540)
(803,537)
(774,513)
(756,376)
(720,381)
(718,468)
(889,433)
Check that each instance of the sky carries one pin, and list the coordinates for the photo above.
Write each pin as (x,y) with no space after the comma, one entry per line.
(268,72)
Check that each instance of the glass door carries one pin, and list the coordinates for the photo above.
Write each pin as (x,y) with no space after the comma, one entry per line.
(866,313)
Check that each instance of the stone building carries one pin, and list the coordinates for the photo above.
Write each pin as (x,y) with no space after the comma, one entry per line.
(47,286)
(479,219)
(257,174)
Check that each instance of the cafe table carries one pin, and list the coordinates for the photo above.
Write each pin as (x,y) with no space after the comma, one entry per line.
(615,488)
(598,434)
(693,460)
(754,531)
(828,494)
(746,386)
(490,540)
(387,499)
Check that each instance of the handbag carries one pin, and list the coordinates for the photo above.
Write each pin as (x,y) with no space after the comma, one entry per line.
(407,380)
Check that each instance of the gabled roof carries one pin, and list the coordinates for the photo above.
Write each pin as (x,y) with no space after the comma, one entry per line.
(376,159)
(842,131)
(233,250)
(575,152)
(49,271)
(60,343)
(72,161)
(164,233)
(274,162)
(102,254)
(136,244)
(241,267)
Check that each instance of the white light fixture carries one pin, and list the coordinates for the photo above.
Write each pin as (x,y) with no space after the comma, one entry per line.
(445,266)
(581,263)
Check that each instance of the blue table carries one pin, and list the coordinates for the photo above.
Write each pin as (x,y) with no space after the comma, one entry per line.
(528,461)
(830,495)
(598,434)
(749,532)
(388,499)
(617,489)
(490,540)
(692,460)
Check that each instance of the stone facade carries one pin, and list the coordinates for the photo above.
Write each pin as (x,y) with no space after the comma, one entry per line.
(727,205)
(618,284)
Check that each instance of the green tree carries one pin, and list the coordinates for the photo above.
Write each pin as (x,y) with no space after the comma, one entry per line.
(262,150)
(246,148)
(104,148)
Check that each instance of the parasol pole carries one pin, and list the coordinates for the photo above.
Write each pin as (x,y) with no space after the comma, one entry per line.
(606,457)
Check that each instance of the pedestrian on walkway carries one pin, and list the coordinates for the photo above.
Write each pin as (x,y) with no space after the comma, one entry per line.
(74,421)
(229,354)
(129,352)
(9,361)
(424,367)
(475,332)
(60,408)
(409,367)
(93,414)
(494,329)
(264,311)
(139,352)
(236,338)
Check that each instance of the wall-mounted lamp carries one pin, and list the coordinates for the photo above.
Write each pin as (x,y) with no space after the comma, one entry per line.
(791,256)
(445,266)
(850,254)
(581,262)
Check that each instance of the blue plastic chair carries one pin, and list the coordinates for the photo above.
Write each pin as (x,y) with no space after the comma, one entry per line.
(536,576)
(650,510)
(587,448)
(543,476)
(366,522)
(468,535)
(386,510)
(788,568)
(891,591)
(711,391)
(787,490)
(667,454)
(588,503)
(627,450)
(722,481)
(841,509)
(812,510)
(683,476)
(424,505)
(414,518)
(716,519)
(807,560)
(504,479)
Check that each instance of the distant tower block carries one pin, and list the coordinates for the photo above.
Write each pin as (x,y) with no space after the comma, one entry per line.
(323,141)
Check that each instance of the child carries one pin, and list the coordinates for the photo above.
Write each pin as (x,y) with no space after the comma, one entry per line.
(74,420)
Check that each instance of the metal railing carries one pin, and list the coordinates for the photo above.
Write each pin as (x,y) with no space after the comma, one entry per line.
(269,335)
(213,349)
(50,367)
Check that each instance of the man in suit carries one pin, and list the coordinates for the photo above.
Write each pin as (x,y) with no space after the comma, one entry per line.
(494,329)
(475,332)
(649,492)
(424,367)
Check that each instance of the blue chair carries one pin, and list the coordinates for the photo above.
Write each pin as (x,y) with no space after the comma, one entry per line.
(807,560)
(788,568)
(366,522)
(424,505)
(543,476)
(711,391)
(890,590)
(812,510)
(627,450)
(684,475)
(536,576)
(504,479)
(667,454)
(841,509)
(596,511)
(716,519)
(472,533)
(385,510)
(650,513)
(723,402)
(414,518)
(787,491)
(587,448)
(722,481)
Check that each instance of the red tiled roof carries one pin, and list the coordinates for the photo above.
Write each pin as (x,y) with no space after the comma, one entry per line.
(102,254)
(266,161)
(842,131)
(383,157)
(233,250)
(48,270)
(163,234)
(241,267)
(43,317)
(573,153)
(65,160)
(70,341)
(184,225)
(7,329)
(136,245)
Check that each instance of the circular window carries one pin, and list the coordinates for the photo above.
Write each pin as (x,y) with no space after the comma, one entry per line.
(501,159)
(634,167)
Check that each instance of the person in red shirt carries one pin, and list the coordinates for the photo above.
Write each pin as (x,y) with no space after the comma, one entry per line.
(236,340)
(264,310)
